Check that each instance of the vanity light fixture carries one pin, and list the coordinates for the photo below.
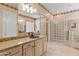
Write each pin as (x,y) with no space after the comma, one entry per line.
(31,9)
(28,7)
(23,7)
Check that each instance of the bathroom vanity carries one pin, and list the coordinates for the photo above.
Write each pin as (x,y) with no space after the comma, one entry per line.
(24,47)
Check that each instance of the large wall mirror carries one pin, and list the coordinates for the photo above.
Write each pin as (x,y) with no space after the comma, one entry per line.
(21,25)
(40,25)
(14,22)
(8,23)
(25,24)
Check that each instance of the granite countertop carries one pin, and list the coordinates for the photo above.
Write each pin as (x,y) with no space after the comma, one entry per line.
(12,43)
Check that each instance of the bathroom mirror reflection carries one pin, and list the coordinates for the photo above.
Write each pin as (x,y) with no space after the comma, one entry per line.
(25,24)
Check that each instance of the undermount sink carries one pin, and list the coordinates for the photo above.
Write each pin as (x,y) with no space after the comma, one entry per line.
(35,37)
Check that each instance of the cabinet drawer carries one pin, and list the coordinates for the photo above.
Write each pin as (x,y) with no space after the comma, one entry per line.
(5,53)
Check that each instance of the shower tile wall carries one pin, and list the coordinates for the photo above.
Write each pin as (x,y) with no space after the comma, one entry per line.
(52,31)
(61,27)
(60,31)
(57,28)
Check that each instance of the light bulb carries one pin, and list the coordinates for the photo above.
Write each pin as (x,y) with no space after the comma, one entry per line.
(31,12)
(34,10)
(31,8)
(24,8)
(27,5)
(28,10)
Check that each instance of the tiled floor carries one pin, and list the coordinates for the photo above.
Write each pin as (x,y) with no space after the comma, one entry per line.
(56,48)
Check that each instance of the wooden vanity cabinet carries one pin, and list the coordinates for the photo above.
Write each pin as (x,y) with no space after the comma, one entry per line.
(28,49)
(45,44)
(38,47)
(15,51)
(33,48)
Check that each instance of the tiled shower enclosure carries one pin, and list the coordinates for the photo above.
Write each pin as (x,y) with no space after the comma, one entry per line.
(65,27)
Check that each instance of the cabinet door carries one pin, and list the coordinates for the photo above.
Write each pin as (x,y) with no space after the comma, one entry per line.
(9,23)
(15,51)
(38,47)
(44,44)
(28,49)
(5,53)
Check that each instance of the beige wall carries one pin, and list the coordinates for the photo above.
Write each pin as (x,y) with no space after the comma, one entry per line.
(50,29)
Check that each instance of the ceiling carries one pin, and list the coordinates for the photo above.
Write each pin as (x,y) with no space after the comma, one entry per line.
(13,5)
(60,7)
(40,10)
(51,7)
